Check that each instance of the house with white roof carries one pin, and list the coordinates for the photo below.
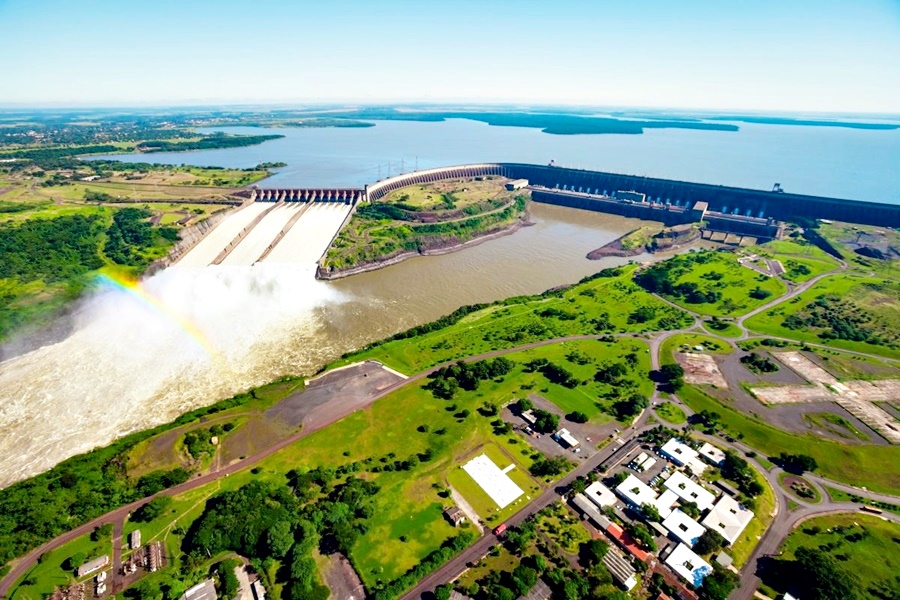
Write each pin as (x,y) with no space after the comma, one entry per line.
(690,491)
(712,454)
(683,455)
(728,518)
(635,492)
(683,528)
(600,495)
(688,565)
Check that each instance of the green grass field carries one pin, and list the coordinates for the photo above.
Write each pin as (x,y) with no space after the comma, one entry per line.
(719,274)
(873,560)
(605,304)
(408,505)
(421,218)
(728,330)
(867,305)
(688,342)
(835,424)
(671,413)
(801,260)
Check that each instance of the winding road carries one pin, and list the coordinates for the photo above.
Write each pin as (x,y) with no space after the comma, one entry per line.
(780,527)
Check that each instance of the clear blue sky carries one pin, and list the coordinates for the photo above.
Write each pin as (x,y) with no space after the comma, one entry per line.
(802,55)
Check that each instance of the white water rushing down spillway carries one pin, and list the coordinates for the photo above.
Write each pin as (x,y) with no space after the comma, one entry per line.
(210,332)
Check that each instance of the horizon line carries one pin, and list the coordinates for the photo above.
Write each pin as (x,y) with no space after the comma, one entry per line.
(350,104)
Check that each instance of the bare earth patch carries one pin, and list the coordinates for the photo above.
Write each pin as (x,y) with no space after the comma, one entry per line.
(701,369)
(856,397)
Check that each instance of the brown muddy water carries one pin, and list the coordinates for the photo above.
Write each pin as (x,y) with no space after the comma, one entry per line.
(210,332)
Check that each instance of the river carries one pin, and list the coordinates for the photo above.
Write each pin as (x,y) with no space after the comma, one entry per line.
(213,331)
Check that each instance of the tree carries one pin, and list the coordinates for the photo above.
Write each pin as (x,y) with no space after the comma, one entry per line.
(718,585)
(591,553)
(641,535)
(442,592)
(280,538)
(524,578)
(489,409)
(74,561)
(524,404)
(650,512)
(579,485)
(577,417)
(709,542)
(549,467)
(152,509)
(797,463)
(672,375)
(99,533)
(759,294)
(822,577)
(544,421)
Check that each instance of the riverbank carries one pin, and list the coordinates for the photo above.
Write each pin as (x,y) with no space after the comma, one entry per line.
(326,274)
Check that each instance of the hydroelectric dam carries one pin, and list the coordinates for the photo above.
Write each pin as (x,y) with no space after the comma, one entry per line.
(298,225)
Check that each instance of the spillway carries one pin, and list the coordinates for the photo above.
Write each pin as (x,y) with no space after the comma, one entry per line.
(207,249)
(258,239)
(310,236)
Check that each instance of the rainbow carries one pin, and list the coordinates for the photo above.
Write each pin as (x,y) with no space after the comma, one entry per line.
(133,288)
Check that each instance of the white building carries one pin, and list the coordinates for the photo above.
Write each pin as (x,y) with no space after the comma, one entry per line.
(646,464)
(640,458)
(688,565)
(689,491)
(636,492)
(567,438)
(683,455)
(529,417)
(600,495)
(728,518)
(712,454)
(665,503)
(683,528)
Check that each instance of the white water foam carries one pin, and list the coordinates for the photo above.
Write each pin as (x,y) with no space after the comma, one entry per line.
(128,366)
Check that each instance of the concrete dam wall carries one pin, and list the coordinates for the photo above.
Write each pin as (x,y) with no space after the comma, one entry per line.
(298,225)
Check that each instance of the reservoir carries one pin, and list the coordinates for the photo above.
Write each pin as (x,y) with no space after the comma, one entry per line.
(822,161)
(130,364)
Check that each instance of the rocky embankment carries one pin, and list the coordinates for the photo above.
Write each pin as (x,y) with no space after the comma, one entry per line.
(667,239)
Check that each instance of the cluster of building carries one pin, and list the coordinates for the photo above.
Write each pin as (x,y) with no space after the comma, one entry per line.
(723,515)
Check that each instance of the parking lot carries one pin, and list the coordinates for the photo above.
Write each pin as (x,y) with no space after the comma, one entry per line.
(589,435)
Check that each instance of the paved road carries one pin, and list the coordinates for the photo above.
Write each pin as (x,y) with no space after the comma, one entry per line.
(456,566)
(775,535)
(22,565)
